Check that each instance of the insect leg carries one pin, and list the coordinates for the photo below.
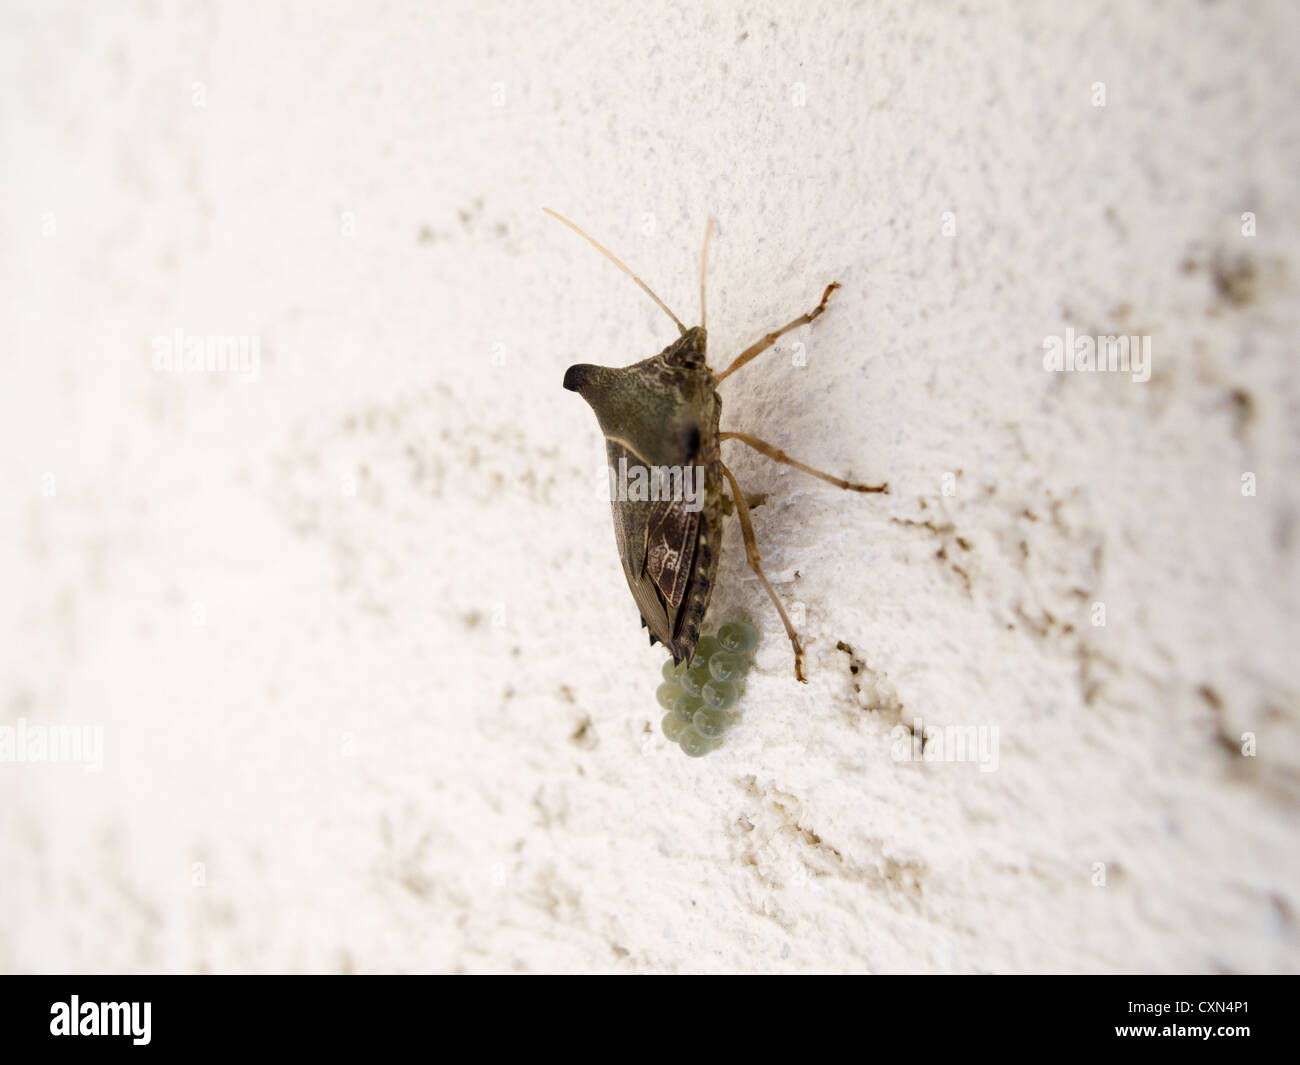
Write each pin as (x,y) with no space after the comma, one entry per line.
(757,348)
(751,552)
(777,455)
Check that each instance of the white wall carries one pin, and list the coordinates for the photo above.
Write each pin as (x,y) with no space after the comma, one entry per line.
(372,692)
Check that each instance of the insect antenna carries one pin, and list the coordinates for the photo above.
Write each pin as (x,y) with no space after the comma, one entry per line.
(615,260)
(704,267)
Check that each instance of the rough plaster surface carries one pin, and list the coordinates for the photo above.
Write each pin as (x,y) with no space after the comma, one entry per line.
(373,693)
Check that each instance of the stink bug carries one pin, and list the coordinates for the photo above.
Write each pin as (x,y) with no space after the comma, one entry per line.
(661,415)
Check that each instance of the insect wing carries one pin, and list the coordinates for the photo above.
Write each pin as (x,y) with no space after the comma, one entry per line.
(656,543)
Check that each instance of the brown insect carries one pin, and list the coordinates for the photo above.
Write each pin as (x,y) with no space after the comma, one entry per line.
(661,414)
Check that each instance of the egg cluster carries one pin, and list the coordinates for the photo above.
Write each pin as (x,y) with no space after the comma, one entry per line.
(699,699)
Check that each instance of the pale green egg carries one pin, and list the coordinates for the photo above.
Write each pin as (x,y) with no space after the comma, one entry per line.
(738,637)
(672,726)
(695,678)
(691,742)
(726,666)
(719,694)
(710,723)
(686,706)
(706,647)
(667,695)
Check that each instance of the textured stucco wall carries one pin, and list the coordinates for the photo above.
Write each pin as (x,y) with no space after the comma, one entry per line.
(372,691)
